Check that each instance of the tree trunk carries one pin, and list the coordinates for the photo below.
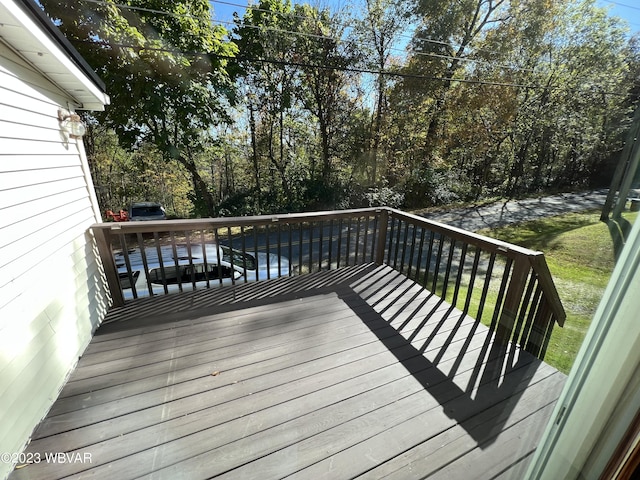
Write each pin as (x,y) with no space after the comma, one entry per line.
(377,126)
(254,155)
(200,187)
(324,138)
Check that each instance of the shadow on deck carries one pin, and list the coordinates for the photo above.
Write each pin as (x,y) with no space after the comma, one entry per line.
(356,372)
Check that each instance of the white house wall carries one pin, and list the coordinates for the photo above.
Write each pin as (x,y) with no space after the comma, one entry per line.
(52,293)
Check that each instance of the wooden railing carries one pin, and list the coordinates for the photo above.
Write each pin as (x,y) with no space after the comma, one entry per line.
(506,286)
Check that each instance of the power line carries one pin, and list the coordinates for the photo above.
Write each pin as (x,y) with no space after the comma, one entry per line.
(142,9)
(412,52)
(305,34)
(181,15)
(465,59)
(315,66)
(623,5)
(323,37)
(303,17)
(336,67)
(291,32)
(343,24)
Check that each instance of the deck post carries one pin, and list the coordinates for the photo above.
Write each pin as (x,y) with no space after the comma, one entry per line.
(540,331)
(381,241)
(545,280)
(103,242)
(512,301)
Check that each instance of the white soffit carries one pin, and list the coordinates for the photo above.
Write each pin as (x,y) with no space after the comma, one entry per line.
(22,34)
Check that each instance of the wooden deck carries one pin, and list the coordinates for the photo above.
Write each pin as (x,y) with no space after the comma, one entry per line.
(356,372)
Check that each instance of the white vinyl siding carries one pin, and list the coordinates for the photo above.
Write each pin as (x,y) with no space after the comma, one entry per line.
(52,292)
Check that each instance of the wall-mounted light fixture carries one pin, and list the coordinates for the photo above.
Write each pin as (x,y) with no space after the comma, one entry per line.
(71,124)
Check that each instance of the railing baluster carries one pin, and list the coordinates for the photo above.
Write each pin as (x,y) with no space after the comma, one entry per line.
(330,242)
(145,263)
(127,262)
(512,300)
(463,258)
(204,258)
(534,343)
(414,230)
(310,247)
(546,322)
(216,238)
(163,276)
(419,261)
(539,265)
(397,249)
(376,257)
(300,248)
(175,259)
(290,250)
(244,254)
(535,303)
(390,235)
(404,246)
(355,259)
(339,242)
(436,266)
(187,237)
(499,298)
(279,251)
(472,280)
(348,251)
(485,288)
(425,280)
(320,246)
(266,235)
(255,250)
(445,283)
(230,241)
(527,306)
(381,224)
(366,239)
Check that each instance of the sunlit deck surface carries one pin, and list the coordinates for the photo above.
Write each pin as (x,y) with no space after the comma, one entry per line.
(356,372)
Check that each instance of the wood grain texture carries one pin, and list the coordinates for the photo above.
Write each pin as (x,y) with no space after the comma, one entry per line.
(363,374)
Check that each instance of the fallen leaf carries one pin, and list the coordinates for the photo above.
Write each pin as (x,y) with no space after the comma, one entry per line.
(215,374)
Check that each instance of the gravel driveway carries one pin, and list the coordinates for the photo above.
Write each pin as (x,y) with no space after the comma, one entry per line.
(516,211)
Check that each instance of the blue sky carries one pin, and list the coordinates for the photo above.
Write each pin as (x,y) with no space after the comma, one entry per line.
(629,10)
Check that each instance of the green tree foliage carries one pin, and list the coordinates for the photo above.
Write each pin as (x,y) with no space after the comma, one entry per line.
(406,103)
(164,65)
(122,177)
(293,60)
(571,106)
(537,106)
(378,32)
(268,89)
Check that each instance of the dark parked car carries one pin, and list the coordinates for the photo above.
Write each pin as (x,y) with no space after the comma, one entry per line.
(195,267)
(143,211)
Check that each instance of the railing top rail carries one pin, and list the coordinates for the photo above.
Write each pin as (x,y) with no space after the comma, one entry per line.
(256,220)
(539,265)
(488,244)
(535,259)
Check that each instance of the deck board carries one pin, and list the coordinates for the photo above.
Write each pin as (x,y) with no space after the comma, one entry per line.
(354,372)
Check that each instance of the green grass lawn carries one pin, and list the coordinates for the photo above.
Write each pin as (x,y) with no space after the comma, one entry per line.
(580,254)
